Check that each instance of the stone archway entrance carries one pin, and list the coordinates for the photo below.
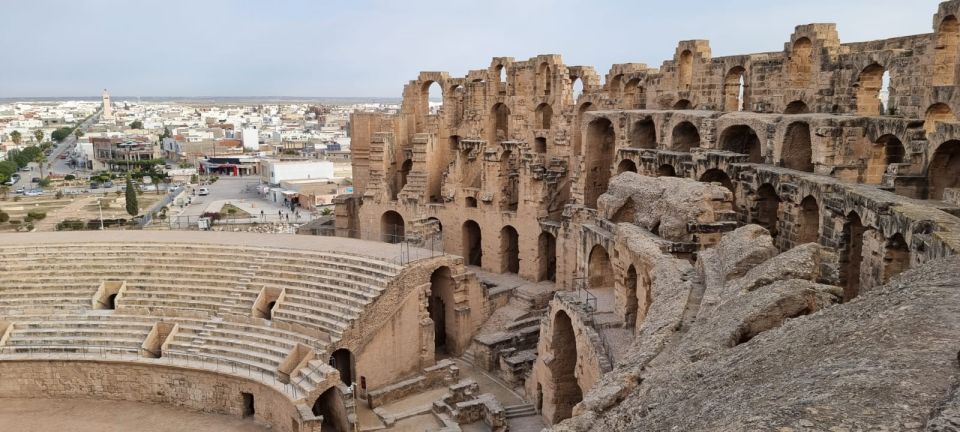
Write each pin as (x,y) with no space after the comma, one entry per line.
(440,305)
(566,391)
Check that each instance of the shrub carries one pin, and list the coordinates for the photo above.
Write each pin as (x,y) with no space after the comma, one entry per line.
(69,177)
(36,215)
(44,182)
(15,222)
(71,225)
(4,217)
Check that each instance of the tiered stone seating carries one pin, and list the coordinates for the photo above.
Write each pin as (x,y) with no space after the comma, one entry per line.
(207,290)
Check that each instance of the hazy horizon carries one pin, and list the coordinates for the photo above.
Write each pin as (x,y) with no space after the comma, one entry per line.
(371,48)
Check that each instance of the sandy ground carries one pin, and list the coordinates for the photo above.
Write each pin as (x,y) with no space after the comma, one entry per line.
(78,415)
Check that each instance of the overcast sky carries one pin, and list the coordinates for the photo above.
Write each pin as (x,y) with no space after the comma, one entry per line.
(371,48)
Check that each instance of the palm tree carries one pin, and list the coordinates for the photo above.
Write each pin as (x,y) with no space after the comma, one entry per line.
(16,137)
(38,134)
(40,159)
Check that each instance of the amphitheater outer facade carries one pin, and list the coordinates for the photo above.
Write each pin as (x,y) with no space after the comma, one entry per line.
(515,171)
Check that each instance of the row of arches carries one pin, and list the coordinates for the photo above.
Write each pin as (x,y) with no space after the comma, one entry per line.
(472,243)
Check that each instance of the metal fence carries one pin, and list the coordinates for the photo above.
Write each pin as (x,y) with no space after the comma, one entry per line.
(148,215)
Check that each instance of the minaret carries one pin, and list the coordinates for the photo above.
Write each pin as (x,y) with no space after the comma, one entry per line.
(107,112)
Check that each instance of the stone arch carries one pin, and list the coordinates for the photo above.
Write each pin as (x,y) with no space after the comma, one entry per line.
(896,257)
(744,140)
(547,256)
(470,202)
(944,169)
(509,250)
(540,145)
(576,89)
(330,406)
(937,113)
(796,107)
(615,85)
(808,221)
(767,213)
(601,143)
(342,360)
(886,150)
(626,165)
(544,82)
(392,227)
(797,151)
(566,391)
(441,306)
(637,286)
(853,231)
(643,134)
(471,241)
(683,104)
(600,270)
(685,71)
(501,75)
(800,63)
(634,96)
(715,175)
(500,116)
(429,91)
(869,83)
(684,137)
(945,52)
(666,170)
(735,89)
(544,116)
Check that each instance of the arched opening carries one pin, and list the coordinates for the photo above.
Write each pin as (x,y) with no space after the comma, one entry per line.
(887,150)
(540,145)
(683,104)
(944,169)
(600,151)
(796,107)
(896,257)
(742,139)
(800,64)
(566,389)
(391,227)
(472,249)
(869,84)
(342,361)
(887,94)
(401,179)
(330,406)
(431,98)
(501,79)
(734,89)
(509,250)
(112,302)
(630,285)
(715,175)
(545,79)
(547,255)
(937,113)
(615,85)
(643,134)
(633,95)
(797,152)
(945,52)
(767,212)
(853,234)
(544,115)
(470,202)
(666,170)
(269,312)
(501,123)
(576,89)
(440,306)
(600,270)
(808,221)
(685,71)
(626,165)
(685,136)
(577,144)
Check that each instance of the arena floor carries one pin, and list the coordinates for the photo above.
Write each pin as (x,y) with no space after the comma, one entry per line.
(78,415)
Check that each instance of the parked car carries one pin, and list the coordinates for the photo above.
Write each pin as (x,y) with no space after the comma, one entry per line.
(203,191)
(20,190)
(94,185)
(107,184)
(63,156)
(35,180)
(33,192)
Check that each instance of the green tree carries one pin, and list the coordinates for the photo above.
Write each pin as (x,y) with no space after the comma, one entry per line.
(137,124)
(131,194)
(61,134)
(16,137)
(78,133)
(41,159)
(38,134)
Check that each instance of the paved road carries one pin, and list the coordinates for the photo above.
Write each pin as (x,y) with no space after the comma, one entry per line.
(56,165)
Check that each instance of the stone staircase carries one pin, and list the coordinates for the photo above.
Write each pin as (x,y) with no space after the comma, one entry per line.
(522,410)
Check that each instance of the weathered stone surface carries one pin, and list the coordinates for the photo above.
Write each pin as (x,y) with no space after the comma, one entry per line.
(801,262)
(885,361)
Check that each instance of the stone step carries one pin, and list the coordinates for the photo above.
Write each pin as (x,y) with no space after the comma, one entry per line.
(524,410)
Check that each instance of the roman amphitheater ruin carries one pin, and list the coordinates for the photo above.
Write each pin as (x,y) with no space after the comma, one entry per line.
(751,242)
